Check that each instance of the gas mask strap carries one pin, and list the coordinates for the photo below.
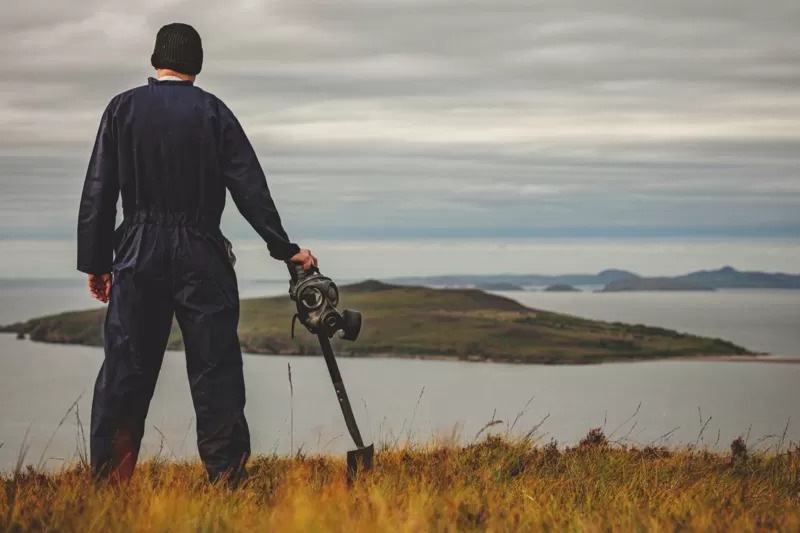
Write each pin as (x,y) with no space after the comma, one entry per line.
(294,319)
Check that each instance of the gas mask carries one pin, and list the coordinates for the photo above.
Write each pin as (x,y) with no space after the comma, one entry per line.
(316,297)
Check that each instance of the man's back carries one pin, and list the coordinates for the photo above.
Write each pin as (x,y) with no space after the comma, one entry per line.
(171,148)
(169,137)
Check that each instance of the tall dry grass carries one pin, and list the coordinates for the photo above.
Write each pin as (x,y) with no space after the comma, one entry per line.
(498,484)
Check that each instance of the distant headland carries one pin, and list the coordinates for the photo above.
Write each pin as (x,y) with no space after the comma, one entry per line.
(619,280)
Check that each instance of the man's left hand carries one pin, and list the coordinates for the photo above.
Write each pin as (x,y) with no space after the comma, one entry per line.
(100,287)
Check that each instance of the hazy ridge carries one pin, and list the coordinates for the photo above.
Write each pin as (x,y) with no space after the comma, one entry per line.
(723,278)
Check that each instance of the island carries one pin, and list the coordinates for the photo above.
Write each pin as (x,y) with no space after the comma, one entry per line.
(655,284)
(462,280)
(729,278)
(561,287)
(423,322)
(499,286)
(723,278)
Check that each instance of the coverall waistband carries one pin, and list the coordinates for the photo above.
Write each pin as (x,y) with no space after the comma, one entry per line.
(169,218)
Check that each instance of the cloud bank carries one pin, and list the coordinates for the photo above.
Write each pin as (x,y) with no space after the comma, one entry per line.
(407,118)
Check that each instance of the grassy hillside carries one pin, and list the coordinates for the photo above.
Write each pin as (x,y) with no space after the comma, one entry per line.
(419,321)
(494,485)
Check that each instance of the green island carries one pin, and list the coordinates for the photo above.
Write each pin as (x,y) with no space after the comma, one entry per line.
(422,322)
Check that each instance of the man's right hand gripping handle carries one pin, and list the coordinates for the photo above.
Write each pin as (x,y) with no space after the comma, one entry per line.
(297,273)
(303,258)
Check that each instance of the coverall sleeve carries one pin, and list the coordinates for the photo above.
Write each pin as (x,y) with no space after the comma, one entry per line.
(98,207)
(245,179)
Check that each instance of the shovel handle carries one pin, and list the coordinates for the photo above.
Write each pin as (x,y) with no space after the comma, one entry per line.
(341,392)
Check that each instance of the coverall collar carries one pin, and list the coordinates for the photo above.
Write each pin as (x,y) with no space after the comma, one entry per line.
(154,81)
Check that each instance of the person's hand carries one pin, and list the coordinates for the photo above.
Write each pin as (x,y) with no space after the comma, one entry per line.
(100,287)
(305,257)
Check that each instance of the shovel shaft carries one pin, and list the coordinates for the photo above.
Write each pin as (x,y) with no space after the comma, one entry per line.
(338,386)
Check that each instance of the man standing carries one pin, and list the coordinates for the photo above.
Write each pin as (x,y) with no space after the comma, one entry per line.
(171,150)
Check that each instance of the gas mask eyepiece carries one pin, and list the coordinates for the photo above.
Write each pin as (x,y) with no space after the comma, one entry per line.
(316,297)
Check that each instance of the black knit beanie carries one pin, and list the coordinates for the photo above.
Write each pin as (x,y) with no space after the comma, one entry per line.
(178,48)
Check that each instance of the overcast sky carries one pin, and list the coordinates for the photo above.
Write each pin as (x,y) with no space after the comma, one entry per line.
(461,118)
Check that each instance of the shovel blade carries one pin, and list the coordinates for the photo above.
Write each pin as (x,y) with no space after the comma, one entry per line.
(359,460)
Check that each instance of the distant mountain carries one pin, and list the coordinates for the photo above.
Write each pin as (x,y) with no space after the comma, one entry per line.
(654,284)
(608,276)
(728,278)
(601,278)
(724,278)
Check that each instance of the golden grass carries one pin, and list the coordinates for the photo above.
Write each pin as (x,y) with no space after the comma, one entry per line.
(494,485)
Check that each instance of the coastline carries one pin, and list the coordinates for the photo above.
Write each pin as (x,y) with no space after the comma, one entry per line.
(549,361)
(757,358)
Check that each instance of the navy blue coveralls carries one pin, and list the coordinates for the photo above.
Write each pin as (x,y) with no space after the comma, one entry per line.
(171,150)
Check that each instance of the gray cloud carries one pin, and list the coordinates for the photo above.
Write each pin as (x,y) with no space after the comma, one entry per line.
(415,117)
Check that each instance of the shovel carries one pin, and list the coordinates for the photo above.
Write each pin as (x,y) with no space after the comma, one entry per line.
(360,459)
(316,297)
